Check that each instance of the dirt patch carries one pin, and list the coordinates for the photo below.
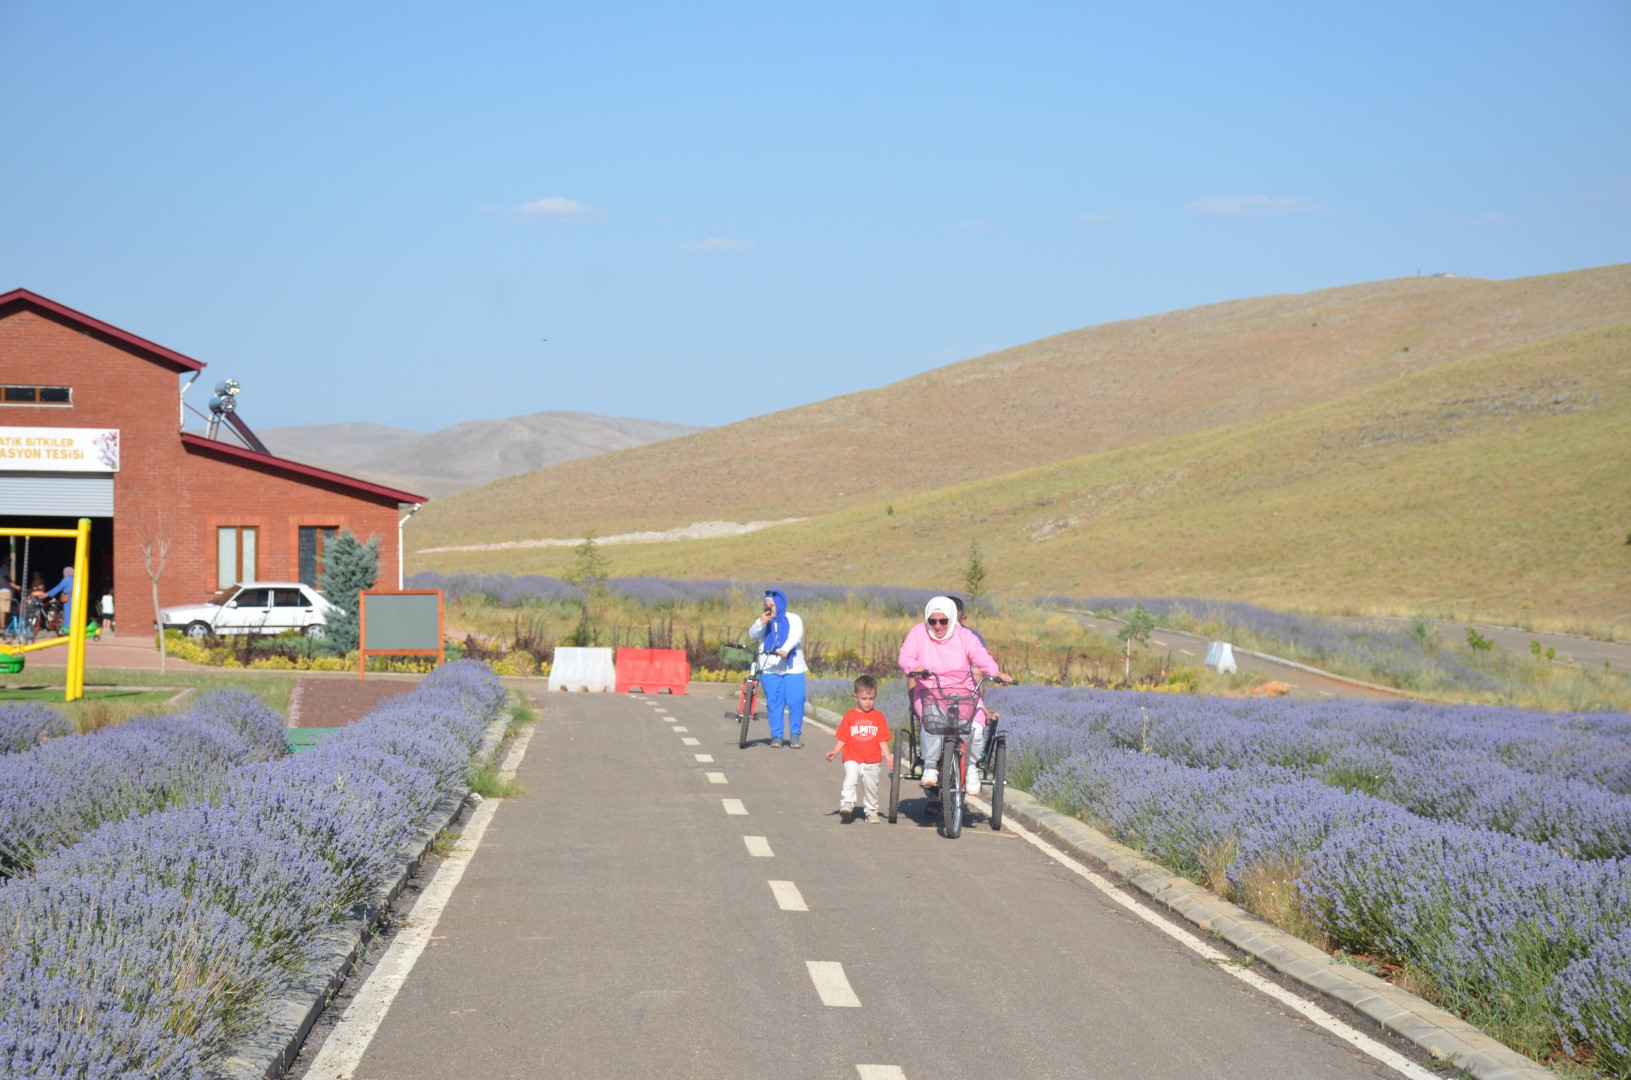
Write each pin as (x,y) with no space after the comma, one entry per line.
(337,702)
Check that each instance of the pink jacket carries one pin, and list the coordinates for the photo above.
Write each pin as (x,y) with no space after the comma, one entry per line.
(950,659)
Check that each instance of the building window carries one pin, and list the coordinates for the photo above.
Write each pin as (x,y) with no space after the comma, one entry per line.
(314,542)
(235,551)
(36,395)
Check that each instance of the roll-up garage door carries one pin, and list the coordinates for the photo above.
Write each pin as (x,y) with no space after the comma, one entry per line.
(56,495)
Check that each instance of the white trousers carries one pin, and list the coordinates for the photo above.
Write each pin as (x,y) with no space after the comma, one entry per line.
(866,773)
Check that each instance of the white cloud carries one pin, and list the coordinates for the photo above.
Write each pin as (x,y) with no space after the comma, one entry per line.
(1255,206)
(1490,219)
(554,208)
(720,245)
(1103,218)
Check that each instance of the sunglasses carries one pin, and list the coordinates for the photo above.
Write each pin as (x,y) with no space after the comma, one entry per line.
(939,622)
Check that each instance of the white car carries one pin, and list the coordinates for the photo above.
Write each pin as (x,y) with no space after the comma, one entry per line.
(254,607)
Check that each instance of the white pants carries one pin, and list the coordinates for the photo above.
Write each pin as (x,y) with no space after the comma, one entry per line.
(931,745)
(867,773)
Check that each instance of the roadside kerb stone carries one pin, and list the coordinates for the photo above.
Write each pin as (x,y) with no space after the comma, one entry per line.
(267,1053)
(1441,1034)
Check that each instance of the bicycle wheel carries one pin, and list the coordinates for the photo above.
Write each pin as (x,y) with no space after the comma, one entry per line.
(951,789)
(999,779)
(894,777)
(744,712)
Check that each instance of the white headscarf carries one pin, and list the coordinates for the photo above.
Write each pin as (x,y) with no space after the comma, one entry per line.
(945,606)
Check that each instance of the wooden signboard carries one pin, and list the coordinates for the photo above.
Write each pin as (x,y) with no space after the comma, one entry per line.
(400,624)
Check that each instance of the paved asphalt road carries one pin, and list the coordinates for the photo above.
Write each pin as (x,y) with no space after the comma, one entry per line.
(616,922)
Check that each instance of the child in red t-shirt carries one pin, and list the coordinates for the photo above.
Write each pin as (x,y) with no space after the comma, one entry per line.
(863,737)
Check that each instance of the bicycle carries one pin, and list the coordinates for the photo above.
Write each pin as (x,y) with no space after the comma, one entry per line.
(945,717)
(747,698)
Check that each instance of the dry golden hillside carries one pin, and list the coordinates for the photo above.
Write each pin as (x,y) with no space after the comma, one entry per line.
(1070,405)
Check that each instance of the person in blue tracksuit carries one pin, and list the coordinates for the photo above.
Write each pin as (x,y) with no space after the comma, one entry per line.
(780,635)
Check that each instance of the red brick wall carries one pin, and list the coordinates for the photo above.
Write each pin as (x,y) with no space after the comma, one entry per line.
(163,488)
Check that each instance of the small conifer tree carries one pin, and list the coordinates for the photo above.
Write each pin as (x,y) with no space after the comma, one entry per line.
(349,567)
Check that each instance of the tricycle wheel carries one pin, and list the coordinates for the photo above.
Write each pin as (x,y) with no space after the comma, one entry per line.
(951,791)
(999,779)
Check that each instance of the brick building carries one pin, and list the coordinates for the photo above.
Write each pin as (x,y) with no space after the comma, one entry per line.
(92,425)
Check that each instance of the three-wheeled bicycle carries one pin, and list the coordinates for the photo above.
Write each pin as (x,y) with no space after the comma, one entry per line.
(747,698)
(951,714)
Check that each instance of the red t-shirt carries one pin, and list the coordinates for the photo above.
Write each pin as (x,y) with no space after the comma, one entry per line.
(863,735)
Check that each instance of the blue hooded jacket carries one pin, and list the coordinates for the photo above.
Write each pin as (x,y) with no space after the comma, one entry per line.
(776,633)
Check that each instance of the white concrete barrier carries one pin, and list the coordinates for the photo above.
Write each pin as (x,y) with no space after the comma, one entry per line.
(582,669)
(1220,657)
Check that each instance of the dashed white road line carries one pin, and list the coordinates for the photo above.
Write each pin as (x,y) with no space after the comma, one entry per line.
(758,847)
(881,1072)
(1353,1037)
(717,778)
(705,759)
(688,741)
(734,807)
(343,1050)
(1186,652)
(788,897)
(682,729)
(830,983)
(670,720)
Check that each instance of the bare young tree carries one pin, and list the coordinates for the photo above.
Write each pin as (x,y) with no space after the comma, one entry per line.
(155,544)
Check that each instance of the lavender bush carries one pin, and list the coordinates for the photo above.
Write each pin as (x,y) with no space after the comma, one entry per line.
(1522,935)
(52,795)
(27,724)
(141,949)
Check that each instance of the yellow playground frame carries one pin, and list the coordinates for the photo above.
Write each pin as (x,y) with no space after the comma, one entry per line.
(78,610)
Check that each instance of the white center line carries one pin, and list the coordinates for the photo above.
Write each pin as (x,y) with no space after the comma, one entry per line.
(1186,652)
(787,896)
(717,778)
(830,983)
(682,729)
(691,742)
(758,847)
(734,806)
(705,759)
(881,1072)
(670,720)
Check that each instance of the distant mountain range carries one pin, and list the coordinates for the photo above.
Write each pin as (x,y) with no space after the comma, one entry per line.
(440,463)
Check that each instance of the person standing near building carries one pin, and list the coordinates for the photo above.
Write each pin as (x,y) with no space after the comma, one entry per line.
(780,635)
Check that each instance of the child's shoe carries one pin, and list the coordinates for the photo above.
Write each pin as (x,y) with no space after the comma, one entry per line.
(973,781)
(873,817)
(931,778)
(846,811)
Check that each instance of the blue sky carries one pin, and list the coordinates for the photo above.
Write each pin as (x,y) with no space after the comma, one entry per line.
(381,212)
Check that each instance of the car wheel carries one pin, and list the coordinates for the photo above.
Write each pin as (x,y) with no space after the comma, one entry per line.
(199,631)
(316,631)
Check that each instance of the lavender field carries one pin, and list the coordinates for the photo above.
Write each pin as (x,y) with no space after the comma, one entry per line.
(194,866)
(1482,856)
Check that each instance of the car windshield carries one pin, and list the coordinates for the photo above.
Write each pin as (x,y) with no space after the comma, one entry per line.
(223,596)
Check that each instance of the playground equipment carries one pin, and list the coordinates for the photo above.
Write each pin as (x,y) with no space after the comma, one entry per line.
(11,653)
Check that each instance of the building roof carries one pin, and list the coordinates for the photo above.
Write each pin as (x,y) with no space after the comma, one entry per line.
(141,346)
(295,468)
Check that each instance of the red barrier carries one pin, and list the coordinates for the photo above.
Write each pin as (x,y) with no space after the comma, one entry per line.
(652,670)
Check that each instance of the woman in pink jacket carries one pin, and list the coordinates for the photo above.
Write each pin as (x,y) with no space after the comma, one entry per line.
(954,654)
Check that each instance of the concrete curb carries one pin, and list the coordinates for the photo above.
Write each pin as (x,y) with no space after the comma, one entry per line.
(268,1052)
(1443,1035)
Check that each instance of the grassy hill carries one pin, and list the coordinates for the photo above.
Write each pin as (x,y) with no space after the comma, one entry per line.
(1416,445)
